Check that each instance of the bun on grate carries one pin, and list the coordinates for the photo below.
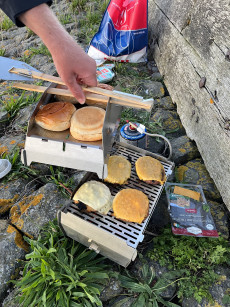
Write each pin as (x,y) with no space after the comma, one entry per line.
(95,196)
(131,205)
(119,170)
(150,170)
(55,116)
(87,123)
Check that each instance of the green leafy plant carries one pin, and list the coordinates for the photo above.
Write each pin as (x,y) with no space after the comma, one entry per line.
(6,23)
(2,51)
(65,18)
(78,5)
(60,272)
(41,49)
(14,105)
(142,117)
(147,288)
(196,256)
(61,179)
(18,170)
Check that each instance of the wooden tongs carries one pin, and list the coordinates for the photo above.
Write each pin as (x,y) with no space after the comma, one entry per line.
(92,93)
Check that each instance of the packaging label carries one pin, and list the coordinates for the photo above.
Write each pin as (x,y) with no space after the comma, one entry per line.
(191,217)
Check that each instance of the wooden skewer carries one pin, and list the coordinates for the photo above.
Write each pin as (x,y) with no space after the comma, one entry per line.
(58,80)
(90,96)
(57,91)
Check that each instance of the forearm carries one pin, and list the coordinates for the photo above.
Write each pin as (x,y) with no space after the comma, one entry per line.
(72,63)
(42,21)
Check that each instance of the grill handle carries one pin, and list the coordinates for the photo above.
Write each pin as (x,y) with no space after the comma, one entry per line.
(93,246)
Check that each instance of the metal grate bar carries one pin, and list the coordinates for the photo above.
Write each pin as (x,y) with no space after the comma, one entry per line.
(132,233)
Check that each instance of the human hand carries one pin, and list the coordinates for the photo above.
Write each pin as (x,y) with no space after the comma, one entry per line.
(74,67)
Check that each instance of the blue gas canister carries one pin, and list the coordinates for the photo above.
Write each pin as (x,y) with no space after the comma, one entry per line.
(130,135)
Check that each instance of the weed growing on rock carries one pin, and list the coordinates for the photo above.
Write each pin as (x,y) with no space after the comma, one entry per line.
(78,5)
(146,288)
(18,169)
(6,23)
(196,256)
(15,104)
(41,49)
(65,18)
(2,51)
(63,182)
(60,272)
(142,117)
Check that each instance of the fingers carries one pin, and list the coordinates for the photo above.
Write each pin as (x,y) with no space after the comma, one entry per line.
(90,80)
(76,89)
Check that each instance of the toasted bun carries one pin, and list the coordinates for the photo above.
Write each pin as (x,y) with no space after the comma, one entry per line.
(119,170)
(55,116)
(131,205)
(87,123)
(148,168)
(95,195)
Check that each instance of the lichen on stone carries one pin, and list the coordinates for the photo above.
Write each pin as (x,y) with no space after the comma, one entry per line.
(18,239)
(17,211)
(3,149)
(6,204)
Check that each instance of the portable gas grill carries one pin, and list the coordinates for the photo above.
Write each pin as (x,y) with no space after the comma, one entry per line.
(113,238)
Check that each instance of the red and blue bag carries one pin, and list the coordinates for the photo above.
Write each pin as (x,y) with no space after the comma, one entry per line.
(123,33)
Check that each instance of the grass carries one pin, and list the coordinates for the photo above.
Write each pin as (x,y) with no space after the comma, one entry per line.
(60,272)
(18,170)
(2,51)
(14,105)
(78,5)
(65,18)
(196,257)
(6,23)
(141,117)
(41,49)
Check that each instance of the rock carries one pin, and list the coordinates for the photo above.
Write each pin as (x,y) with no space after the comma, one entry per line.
(160,217)
(170,121)
(152,67)
(8,142)
(111,290)
(220,217)
(3,120)
(78,176)
(10,301)
(218,291)
(155,145)
(43,64)
(41,168)
(21,120)
(153,88)
(164,103)
(159,272)
(12,191)
(195,172)
(11,251)
(34,211)
(156,76)
(183,150)
(122,301)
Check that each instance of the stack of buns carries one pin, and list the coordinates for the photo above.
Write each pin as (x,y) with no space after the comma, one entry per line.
(85,123)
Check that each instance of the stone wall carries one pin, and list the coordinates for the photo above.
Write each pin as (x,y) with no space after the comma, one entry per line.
(189,42)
